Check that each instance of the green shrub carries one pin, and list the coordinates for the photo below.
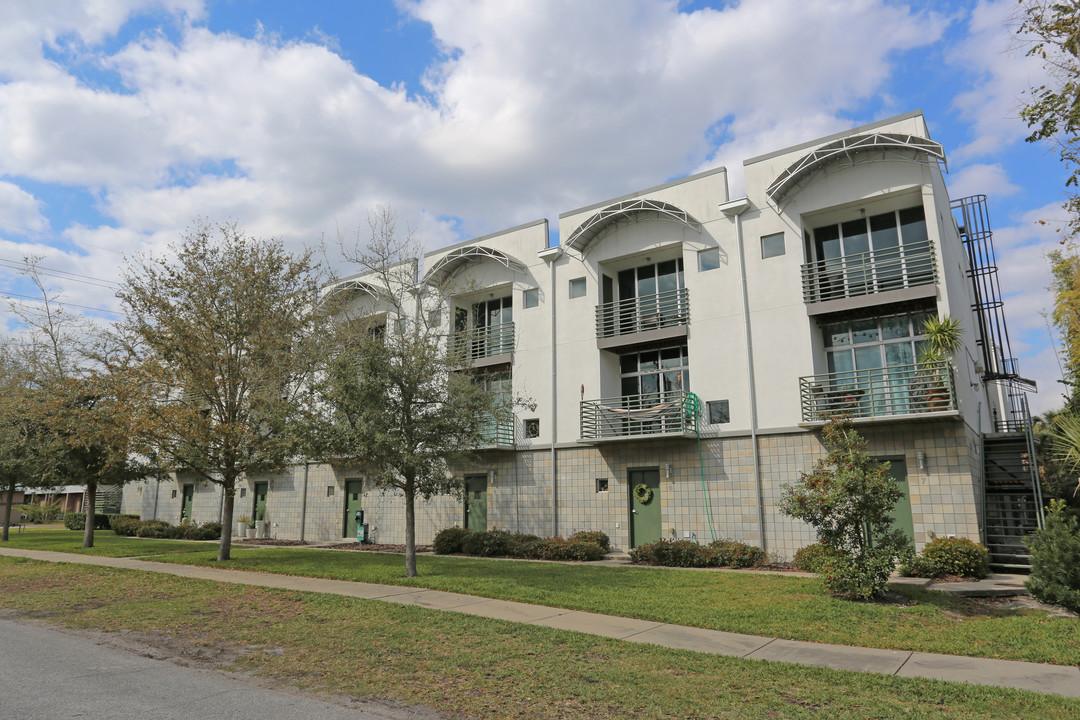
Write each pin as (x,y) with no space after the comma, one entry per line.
(557,548)
(815,558)
(449,540)
(729,553)
(1055,559)
(155,529)
(127,526)
(490,543)
(859,578)
(523,545)
(672,553)
(594,536)
(949,556)
(75,521)
(36,513)
(206,531)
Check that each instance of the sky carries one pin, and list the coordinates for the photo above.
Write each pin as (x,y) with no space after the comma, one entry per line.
(124,122)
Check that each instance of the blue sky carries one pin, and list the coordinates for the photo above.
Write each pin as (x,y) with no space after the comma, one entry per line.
(122,122)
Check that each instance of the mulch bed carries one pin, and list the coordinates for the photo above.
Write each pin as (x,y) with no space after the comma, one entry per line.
(271,541)
(377,547)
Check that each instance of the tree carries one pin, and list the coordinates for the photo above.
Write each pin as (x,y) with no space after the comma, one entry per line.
(23,453)
(1053,112)
(394,398)
(848,499)
(80,413)
(222,336)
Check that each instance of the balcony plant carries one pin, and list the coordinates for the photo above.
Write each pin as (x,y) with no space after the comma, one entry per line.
(943,337)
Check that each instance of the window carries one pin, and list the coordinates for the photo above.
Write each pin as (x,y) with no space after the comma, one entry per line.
(655,371)
(577,288)
(874,253)
(772,245)
(530,298)
(708,259)
(173,494)
(329,491)
(532,428)
(601,485)
(435,318)
(491,323)
(874,359)
(718,412)
(243,492)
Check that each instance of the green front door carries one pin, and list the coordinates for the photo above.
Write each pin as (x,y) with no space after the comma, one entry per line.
(187,503)
(258,506)
(644,516)
(901,513)
(353,488)
(476,502)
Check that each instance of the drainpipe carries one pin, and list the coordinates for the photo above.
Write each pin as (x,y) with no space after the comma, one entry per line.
(303,500)
(550,256)
(735,209)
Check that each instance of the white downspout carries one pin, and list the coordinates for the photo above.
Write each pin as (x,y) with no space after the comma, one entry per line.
(550,256)
(303,500)
(735,209)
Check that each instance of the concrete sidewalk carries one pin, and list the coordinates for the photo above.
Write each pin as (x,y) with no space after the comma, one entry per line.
(1037,677)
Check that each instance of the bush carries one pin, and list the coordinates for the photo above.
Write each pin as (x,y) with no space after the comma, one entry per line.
(1055,559)
(487,544)
(449,540)
(859,578)
(594,536)
(523,545)
(155,529)
(557,548)
(206,531)
(729,553)
(816,558)
(949,556)
(75,521)
(127,526)
(672,553)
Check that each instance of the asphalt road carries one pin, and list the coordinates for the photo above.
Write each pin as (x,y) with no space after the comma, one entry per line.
(49,674)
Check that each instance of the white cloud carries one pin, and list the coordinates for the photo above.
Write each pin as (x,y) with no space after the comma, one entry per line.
(982,179)
(20,211)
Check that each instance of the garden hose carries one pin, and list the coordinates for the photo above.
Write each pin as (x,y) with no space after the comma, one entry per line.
(692,406)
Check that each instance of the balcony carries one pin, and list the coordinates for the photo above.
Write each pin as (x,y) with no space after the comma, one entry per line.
(482,346)
(637,416)
(916,389)
(497,434)
(891,275)
(646,318)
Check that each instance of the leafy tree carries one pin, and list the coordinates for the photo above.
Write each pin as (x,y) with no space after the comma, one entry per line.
(222,336)
(394,400)
(80,412)
(1053,111)
(23,450)
(848,498)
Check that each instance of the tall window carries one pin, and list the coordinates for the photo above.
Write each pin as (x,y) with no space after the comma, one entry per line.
(875,358)
(489,321)
(655,372)
(498,430)
(874,253)
(648,296)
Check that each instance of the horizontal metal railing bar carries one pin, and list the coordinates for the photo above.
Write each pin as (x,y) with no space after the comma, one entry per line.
(645,312)
(497,433)
(483,341)
(869,272)
(637,415)
(899,390)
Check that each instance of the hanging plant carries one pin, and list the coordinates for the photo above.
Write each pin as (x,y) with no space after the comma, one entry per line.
(643,493)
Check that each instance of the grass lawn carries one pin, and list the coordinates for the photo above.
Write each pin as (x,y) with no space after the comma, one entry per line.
(771,605)
(106,543)
(471,666)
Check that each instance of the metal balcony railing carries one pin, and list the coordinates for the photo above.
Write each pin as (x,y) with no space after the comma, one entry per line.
(870,272)
(881,392)
(483,342)
(497,432)
(647,312)
(637,415)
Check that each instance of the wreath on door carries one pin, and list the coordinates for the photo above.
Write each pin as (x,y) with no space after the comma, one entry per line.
(643,493)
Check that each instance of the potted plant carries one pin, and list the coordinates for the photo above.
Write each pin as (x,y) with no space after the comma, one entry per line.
(943,337)
(260,525)
(242,526)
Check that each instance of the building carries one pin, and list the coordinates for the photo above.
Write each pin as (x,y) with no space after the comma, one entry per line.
(683,349)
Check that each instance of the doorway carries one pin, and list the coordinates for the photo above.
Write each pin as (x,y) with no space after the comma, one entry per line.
(258,503)
(353,501)
(476,502)
(187,503)
(901,512)
(645,521)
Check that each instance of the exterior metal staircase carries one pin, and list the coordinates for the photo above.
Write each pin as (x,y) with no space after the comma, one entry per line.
(1013,507)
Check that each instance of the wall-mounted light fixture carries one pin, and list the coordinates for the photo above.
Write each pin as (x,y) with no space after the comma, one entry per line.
(492,475)
(667,470)
(920,459)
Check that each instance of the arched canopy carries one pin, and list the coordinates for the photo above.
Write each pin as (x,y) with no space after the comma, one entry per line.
(849,151)
(450,264)
(350,288)
(624,213)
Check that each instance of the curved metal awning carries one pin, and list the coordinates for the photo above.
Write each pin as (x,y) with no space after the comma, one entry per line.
(623,213)
(849,151)
(450,264)
(350,288)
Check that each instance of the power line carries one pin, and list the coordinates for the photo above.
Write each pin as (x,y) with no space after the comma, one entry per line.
(62,274)
(18,296)
(59,237)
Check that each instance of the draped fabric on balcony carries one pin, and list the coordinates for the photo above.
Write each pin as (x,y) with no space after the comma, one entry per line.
(450,264)
(624,213)
(849,151)
(642,413)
